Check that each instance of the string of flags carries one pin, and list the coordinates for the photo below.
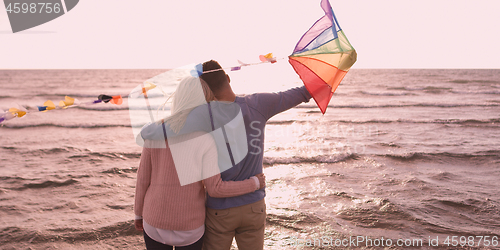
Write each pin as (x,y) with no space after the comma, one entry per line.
(68,102)
(18,111)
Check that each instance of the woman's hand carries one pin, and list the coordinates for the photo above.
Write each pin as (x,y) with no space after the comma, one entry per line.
(262,180)
(138,225)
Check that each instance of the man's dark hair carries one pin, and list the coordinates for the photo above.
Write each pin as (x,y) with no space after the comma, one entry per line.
(215,79)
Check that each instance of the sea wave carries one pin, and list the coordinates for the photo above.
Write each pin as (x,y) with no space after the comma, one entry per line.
(120,170)
(121,107)
(410,156)
(376,213)
(272,122)
(472,81)
(13,178)
(432,105)
(464,122)
(75,153)
(384,213)
(294,220)
(35,184)
(103,108)
(435,121)
(385,93)
(431,156)
(79,95)
(110,155)
(18,234)
(124,95)
(43,151)
(75,95)
(55,150)
(312,159)
(491,92)
(283,122)
(83,153)
(461,216)
(21,126)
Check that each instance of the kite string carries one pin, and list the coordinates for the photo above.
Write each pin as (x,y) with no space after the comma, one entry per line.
(235,68)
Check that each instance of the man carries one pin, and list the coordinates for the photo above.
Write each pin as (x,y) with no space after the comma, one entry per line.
(242,217)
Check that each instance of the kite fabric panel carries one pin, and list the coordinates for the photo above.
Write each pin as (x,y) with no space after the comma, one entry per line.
(322,57)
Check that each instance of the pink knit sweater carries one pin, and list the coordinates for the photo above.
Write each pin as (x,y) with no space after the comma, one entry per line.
(164,203)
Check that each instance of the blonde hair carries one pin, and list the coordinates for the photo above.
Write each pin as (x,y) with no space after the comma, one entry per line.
(190,93)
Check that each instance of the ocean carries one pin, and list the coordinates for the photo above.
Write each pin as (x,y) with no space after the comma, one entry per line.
(402,157)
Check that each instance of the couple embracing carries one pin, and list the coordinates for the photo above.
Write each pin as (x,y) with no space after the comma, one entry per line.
(200,181)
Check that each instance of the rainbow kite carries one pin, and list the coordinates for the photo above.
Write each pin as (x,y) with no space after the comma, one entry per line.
(322,57)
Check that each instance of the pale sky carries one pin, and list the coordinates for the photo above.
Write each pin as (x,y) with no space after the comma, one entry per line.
(132,34)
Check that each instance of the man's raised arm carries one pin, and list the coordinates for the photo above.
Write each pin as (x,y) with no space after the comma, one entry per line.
(270,104)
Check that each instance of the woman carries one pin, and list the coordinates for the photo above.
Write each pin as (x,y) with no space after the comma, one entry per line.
(170,198)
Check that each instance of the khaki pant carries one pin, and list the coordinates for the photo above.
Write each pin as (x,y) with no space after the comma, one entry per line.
(245,223)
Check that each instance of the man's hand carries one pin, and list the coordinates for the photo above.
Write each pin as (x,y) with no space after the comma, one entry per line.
(262,180)
(138,225)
